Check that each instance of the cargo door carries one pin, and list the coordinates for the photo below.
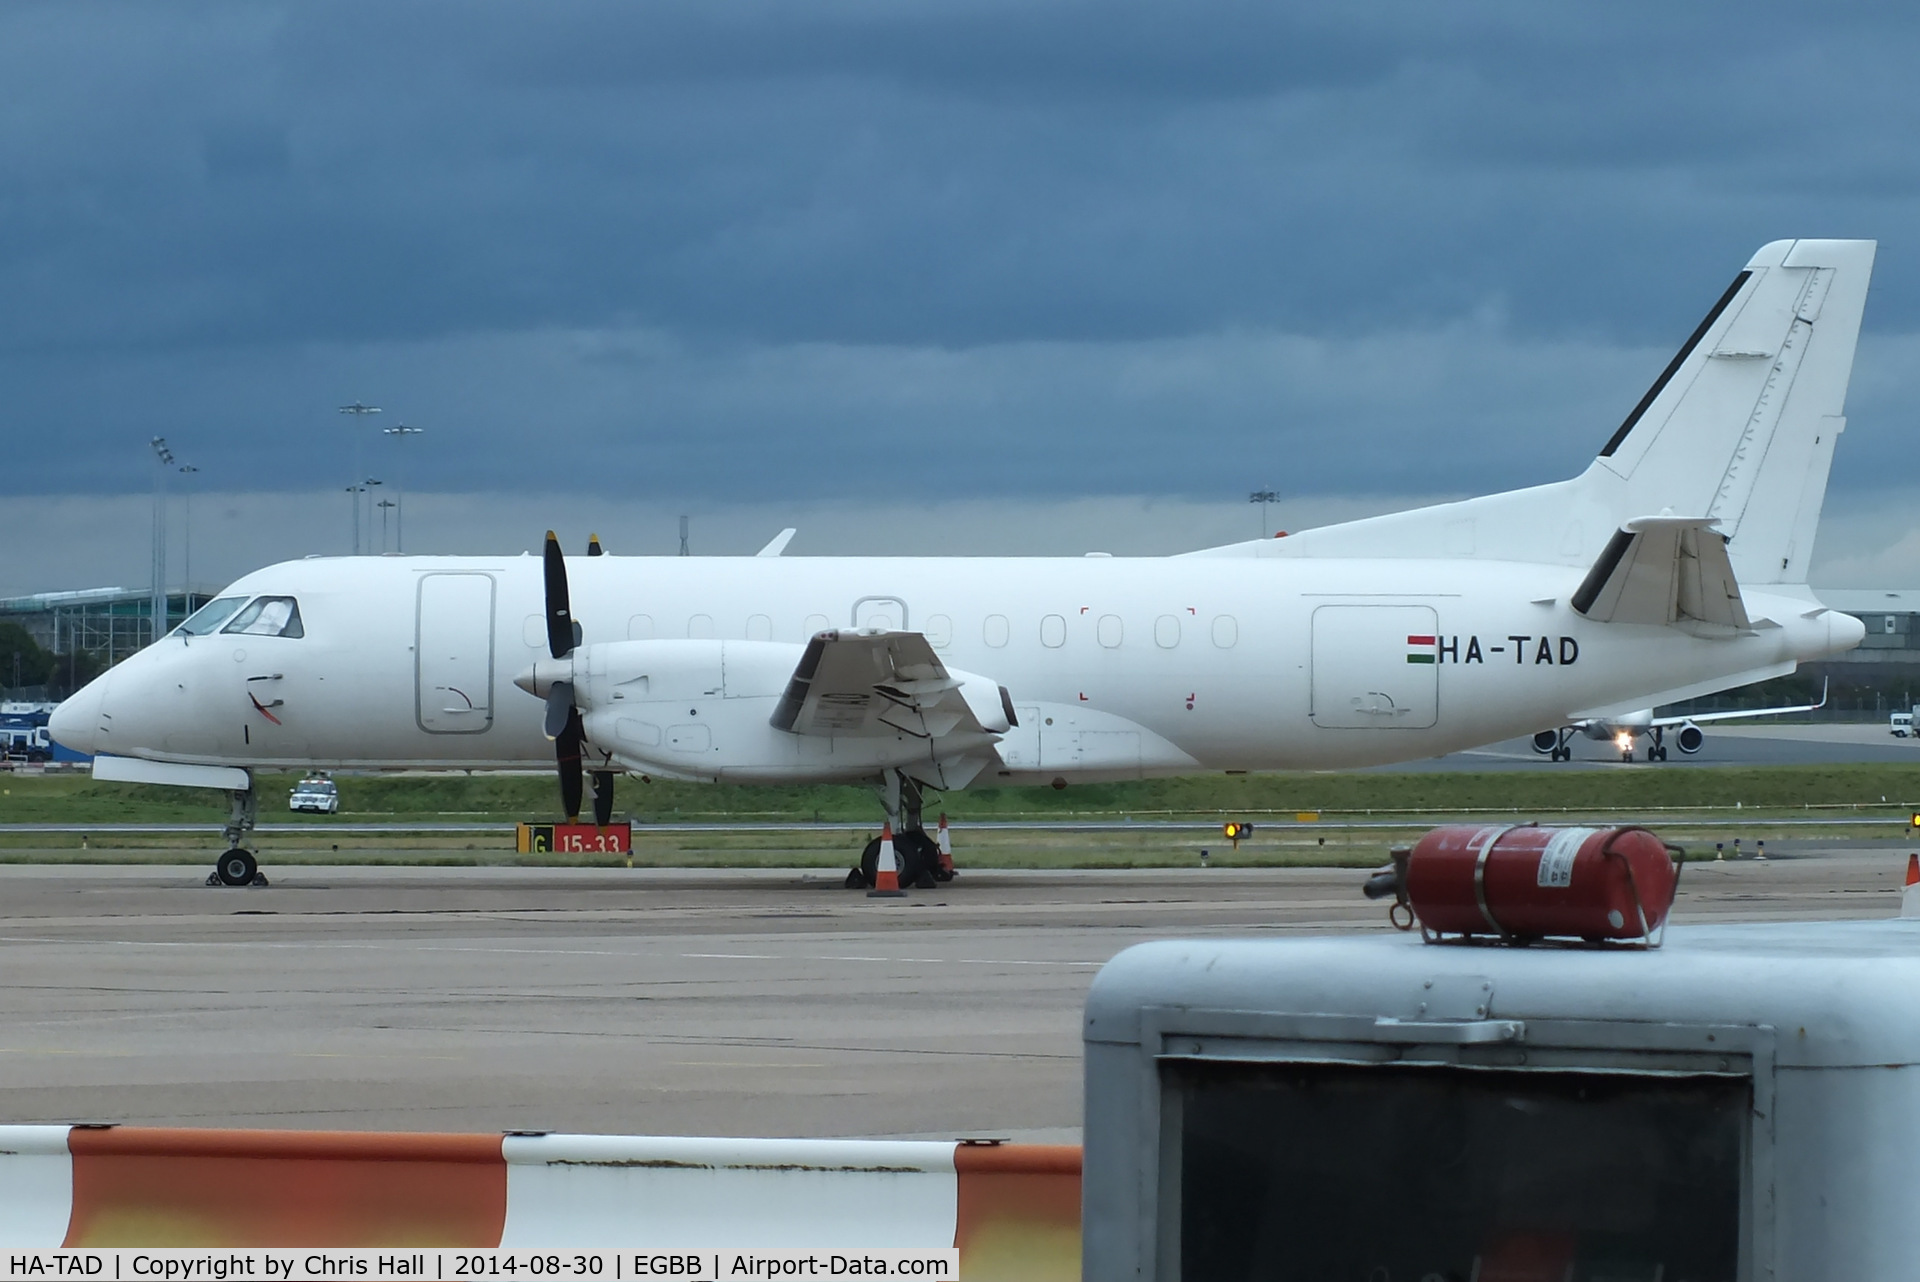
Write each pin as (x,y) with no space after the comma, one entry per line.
(1375,667)
(453,654)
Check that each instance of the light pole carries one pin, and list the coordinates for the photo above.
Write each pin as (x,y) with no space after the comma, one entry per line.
(359,412)
(157,607)
(383,505)
(400,432)
(186,538)
(366,488)
(1263,498)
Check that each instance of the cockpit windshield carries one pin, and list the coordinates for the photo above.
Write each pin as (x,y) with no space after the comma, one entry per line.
(269,616)
(210,616)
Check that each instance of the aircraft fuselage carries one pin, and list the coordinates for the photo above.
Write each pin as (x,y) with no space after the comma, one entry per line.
(1220,663)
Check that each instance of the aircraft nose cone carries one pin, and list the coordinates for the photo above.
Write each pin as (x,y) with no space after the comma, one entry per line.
(76,723)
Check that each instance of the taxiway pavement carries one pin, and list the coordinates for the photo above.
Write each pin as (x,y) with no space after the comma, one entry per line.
(641,1001)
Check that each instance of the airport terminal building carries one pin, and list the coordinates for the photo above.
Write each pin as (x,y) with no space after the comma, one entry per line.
(110,623)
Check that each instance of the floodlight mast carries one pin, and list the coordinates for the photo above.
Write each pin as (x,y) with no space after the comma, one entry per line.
(157,606)
(1265,498)
(399,432)
(359,413)
(186,539)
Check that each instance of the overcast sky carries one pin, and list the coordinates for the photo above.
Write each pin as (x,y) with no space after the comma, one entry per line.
(785,258)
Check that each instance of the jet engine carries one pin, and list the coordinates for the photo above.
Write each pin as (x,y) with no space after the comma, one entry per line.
(1688,738)
(1546,741)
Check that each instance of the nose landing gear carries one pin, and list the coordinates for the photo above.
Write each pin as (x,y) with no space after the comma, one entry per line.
(238,867)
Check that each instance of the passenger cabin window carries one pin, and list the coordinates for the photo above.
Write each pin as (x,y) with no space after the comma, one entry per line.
(268,616)
(816,624)
(1053,632)
(1110,631)
(995,631)
(1166,632)
(1225,631)
(939,631)
(210,616)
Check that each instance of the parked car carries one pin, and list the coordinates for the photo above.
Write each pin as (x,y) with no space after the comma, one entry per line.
(315,794)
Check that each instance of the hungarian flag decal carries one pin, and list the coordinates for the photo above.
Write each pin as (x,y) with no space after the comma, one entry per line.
(1420,649)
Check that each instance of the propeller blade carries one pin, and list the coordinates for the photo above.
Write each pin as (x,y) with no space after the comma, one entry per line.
(566,753)
(562,634)
(603,797)
(559,708)
(593,546)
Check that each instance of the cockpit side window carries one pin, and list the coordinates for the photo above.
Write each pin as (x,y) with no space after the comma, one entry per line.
(269,616)
(210,616)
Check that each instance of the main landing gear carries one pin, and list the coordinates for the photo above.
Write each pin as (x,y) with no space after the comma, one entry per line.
(917,854)
(1562,749)
(1658,752)
(238,867)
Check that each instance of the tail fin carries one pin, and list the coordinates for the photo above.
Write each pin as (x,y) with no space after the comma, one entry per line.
(1739,427)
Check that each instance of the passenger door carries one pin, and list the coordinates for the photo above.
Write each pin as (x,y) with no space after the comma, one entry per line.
(453,653)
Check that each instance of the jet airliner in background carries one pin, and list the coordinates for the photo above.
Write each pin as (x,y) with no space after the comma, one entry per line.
(1674,565)
(1624,729)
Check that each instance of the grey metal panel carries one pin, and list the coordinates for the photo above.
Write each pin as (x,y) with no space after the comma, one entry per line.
(1848,985)
(1821,1016)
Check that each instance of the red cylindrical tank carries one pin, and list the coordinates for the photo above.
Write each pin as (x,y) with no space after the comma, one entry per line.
(1531,882)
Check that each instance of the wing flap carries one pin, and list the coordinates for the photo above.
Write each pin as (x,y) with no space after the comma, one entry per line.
(871,681)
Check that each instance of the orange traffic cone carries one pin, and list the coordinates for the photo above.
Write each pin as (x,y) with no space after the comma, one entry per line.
(946,848)
(1910,897)
(886,869)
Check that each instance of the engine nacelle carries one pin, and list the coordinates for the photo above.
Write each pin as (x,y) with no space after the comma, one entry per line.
(701,710)
(1546,741)
(1689,738)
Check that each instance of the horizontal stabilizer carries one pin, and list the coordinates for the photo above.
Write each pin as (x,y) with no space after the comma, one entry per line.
(1664,570)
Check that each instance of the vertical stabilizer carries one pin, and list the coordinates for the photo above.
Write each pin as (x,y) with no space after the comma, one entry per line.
(1739,428)
(1741,425)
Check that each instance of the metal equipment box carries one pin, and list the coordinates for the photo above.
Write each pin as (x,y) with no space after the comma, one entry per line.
(1743,1103)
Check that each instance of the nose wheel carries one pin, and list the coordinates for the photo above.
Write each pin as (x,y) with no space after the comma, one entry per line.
(237,868)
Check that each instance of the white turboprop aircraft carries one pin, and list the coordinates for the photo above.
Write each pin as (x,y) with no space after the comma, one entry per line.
(1623,730)
(1673,566)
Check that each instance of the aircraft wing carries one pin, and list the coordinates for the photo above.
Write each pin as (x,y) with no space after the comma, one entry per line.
(1747,712)
(871,681)
(1667,570)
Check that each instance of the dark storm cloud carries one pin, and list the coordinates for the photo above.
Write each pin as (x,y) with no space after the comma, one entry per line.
(1013,246)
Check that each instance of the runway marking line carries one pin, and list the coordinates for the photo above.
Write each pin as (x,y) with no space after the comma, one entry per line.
(732,1063)
(539,952)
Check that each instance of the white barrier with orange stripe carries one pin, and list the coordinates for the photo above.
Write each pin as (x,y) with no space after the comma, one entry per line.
(582,1190)
(36,1185)
(1012,1210)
